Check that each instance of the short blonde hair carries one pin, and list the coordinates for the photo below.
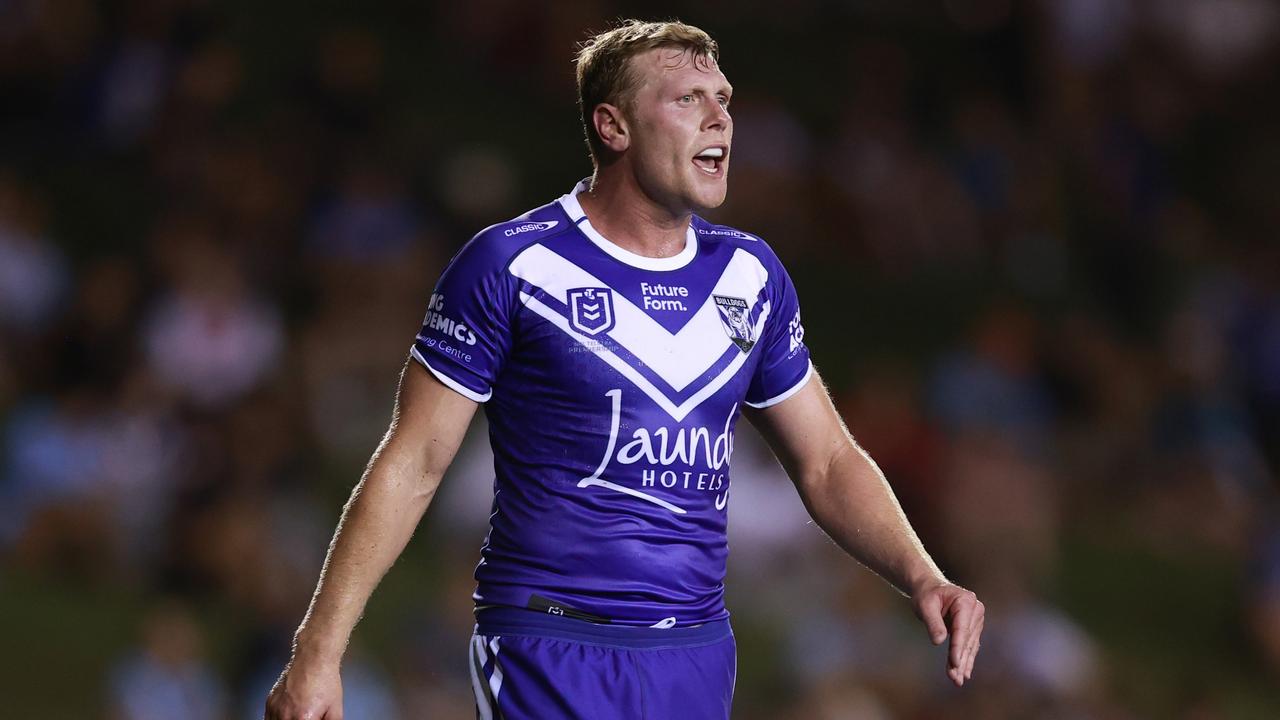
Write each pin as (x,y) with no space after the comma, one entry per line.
(603,64)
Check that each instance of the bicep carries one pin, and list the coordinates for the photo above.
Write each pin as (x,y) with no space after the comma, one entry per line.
(430,420)
(804,431)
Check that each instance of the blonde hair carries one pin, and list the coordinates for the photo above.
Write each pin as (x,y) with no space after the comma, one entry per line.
(603,64)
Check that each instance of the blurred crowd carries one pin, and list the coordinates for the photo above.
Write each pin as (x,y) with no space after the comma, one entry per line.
(1036,248)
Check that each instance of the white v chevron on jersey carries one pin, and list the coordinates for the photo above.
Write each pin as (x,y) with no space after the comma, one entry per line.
(677,411)
(678,358)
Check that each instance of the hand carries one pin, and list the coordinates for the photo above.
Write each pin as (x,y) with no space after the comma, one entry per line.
(306,691)
(948,609)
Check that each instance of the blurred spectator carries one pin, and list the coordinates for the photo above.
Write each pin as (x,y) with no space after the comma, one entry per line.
(133,77)
(991,386)
(167,676)
(369,221)
(33,273)
(883,411)
(997,507)
(1035,647)
(208,337)
(142,459)
(55,448)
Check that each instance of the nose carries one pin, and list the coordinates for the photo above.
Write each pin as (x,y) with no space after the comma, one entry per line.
(717,118)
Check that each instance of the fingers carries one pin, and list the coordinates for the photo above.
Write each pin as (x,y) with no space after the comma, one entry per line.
(961,617)
(975,639)
(967,618)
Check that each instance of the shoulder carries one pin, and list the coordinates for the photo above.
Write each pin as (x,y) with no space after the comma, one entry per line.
(494,247)
(755,245)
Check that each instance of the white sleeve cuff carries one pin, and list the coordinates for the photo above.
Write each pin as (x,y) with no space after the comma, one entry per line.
(786,393)
(448,381)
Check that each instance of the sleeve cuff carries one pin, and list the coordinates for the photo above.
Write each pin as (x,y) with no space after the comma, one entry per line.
(448,381)
(786,393)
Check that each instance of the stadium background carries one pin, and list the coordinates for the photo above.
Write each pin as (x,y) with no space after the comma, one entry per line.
(1036,250)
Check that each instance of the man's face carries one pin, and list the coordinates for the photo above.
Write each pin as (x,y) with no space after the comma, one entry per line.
(679,118)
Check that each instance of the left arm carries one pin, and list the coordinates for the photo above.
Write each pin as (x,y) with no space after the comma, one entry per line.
(850,499)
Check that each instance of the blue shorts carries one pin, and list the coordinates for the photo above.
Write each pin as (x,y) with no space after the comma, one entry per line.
(527,665)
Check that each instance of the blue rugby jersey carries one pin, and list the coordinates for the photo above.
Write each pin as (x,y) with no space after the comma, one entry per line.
(612,384)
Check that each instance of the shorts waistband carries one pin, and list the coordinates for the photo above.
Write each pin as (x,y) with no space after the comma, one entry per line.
(517,621)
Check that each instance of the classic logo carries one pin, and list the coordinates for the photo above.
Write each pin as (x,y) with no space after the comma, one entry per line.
(727,231)
(735,316)
(530,227)
(591,310)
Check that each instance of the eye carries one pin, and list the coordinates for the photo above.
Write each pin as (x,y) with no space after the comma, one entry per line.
(724,101)
(686,99)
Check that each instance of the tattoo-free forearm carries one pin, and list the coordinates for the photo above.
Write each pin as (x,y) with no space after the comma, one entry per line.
(852,502)
(376,524)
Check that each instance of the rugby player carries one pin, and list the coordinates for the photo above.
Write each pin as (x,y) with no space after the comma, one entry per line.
(615,337)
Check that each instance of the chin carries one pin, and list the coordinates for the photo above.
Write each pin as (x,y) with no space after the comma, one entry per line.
(705,198)
(711,202)
(714,204)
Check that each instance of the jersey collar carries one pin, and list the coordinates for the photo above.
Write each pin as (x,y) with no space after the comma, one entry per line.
(574,209)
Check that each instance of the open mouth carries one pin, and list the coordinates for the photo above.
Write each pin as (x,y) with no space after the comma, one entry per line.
(711,160)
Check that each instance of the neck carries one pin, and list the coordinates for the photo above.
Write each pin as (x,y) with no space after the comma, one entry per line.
(620,210)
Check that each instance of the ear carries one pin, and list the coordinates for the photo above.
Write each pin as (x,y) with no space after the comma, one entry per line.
(611,126)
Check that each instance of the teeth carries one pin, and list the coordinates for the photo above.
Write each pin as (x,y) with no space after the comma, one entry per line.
(712,152)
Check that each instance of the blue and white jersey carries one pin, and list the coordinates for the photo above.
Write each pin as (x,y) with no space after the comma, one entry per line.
(613,382)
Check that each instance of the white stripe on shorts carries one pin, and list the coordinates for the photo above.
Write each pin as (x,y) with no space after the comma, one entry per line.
(495,680)
(475,661)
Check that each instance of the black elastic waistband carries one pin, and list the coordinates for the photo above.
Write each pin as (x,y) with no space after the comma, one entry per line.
(517,621)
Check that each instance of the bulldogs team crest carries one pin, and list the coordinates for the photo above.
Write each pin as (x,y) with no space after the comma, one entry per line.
(735,314)
(591,310)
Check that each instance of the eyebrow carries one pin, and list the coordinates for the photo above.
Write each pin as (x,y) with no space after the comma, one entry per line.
(725,89)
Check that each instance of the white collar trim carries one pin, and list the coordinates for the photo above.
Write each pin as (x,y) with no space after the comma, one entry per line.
(579,216)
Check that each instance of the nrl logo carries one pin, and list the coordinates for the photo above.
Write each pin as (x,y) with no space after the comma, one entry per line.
(591,310)
(734,315)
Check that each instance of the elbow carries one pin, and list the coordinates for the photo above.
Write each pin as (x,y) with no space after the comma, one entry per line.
(408,474)
(820,479)
(424,490)
(813,477)
(419,480)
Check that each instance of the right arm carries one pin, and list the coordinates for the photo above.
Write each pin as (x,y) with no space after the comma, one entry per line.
(427,426)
